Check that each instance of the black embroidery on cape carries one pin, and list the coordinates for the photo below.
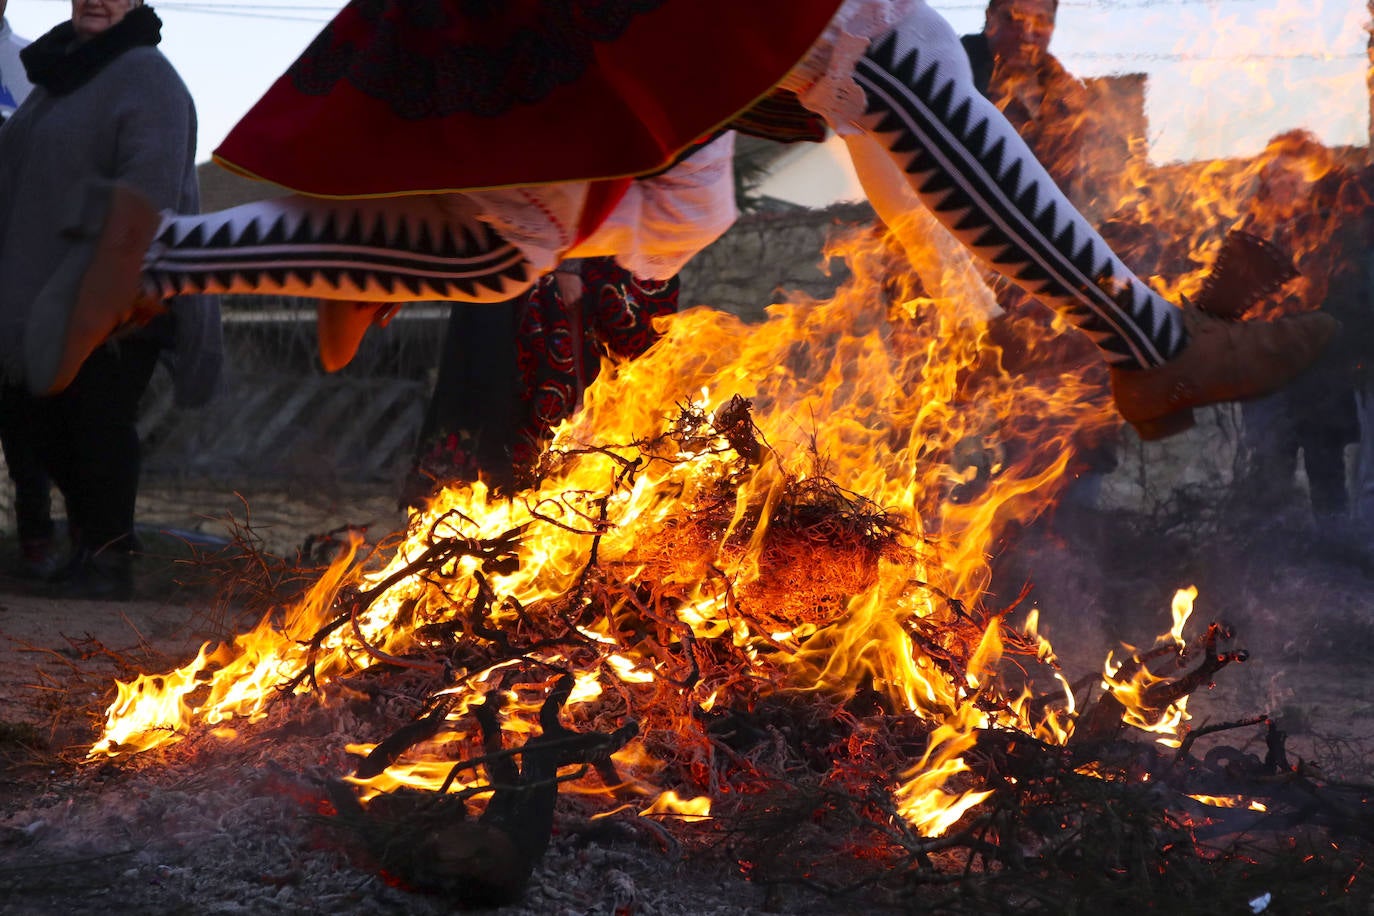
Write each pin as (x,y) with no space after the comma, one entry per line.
(480,79)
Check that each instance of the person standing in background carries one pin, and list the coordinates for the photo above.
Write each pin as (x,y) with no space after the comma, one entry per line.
(1050,109)
(106,106)
(1046,104)
(14,82)
(508,376)
(32,488)
(1362,496)
(1313,207)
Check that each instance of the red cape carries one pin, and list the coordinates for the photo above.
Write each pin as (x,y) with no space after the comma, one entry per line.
(409,96)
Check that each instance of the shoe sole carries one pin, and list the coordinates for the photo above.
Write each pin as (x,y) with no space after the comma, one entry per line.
(1165,426)
(340,328)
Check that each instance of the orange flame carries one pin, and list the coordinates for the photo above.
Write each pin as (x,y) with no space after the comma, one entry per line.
(1129,689)
(1230,801)
(904,399)
(901,413)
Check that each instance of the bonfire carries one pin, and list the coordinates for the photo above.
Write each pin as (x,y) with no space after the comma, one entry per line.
(747,603)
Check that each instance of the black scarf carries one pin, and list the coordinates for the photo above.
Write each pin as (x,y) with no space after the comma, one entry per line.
(60,65)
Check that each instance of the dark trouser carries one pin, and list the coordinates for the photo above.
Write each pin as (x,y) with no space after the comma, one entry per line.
(1323,458)
(1314,415)
(88,440)
(474,413)
(32,488)
(507,376)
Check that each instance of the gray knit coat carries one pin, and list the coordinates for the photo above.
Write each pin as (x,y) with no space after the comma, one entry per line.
(132,122)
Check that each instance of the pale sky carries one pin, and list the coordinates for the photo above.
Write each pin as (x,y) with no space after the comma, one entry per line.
(1224,74)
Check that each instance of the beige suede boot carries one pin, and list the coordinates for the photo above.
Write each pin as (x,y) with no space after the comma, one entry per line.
(96,289)
(1222,361)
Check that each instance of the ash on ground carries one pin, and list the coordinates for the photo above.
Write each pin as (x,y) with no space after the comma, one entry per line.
(217,825)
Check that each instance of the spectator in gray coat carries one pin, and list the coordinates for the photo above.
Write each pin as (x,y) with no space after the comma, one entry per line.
(106,106)
(32,489)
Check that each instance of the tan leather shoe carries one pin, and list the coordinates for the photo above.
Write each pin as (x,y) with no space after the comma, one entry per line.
(340,327)
(96,289)
(1222,361)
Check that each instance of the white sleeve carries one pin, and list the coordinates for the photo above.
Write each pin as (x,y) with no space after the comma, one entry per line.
(663,221)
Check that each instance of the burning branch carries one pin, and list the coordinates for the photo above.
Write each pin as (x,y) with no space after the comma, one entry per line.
(428,842)
(1135,691)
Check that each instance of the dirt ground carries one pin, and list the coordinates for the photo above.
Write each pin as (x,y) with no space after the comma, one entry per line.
(228,830)
(210,830)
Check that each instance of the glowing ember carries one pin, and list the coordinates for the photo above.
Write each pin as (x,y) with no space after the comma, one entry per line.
(688,810)
(1229,801)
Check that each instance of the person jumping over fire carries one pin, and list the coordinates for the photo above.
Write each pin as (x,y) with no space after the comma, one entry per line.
(446,150)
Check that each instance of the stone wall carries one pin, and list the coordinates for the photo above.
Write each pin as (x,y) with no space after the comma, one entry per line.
(766,253)
(1180,478)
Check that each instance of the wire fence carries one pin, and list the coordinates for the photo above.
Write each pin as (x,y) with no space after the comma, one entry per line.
(281,416)
(277,334)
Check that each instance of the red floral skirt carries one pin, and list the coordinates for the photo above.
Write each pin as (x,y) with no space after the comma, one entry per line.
(508,376)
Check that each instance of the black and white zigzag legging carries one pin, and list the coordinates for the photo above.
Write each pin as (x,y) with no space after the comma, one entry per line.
(980,179)
(396,249)
(954,148)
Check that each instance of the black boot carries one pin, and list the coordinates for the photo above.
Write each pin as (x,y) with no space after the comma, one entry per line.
(37,559)
(104,575)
